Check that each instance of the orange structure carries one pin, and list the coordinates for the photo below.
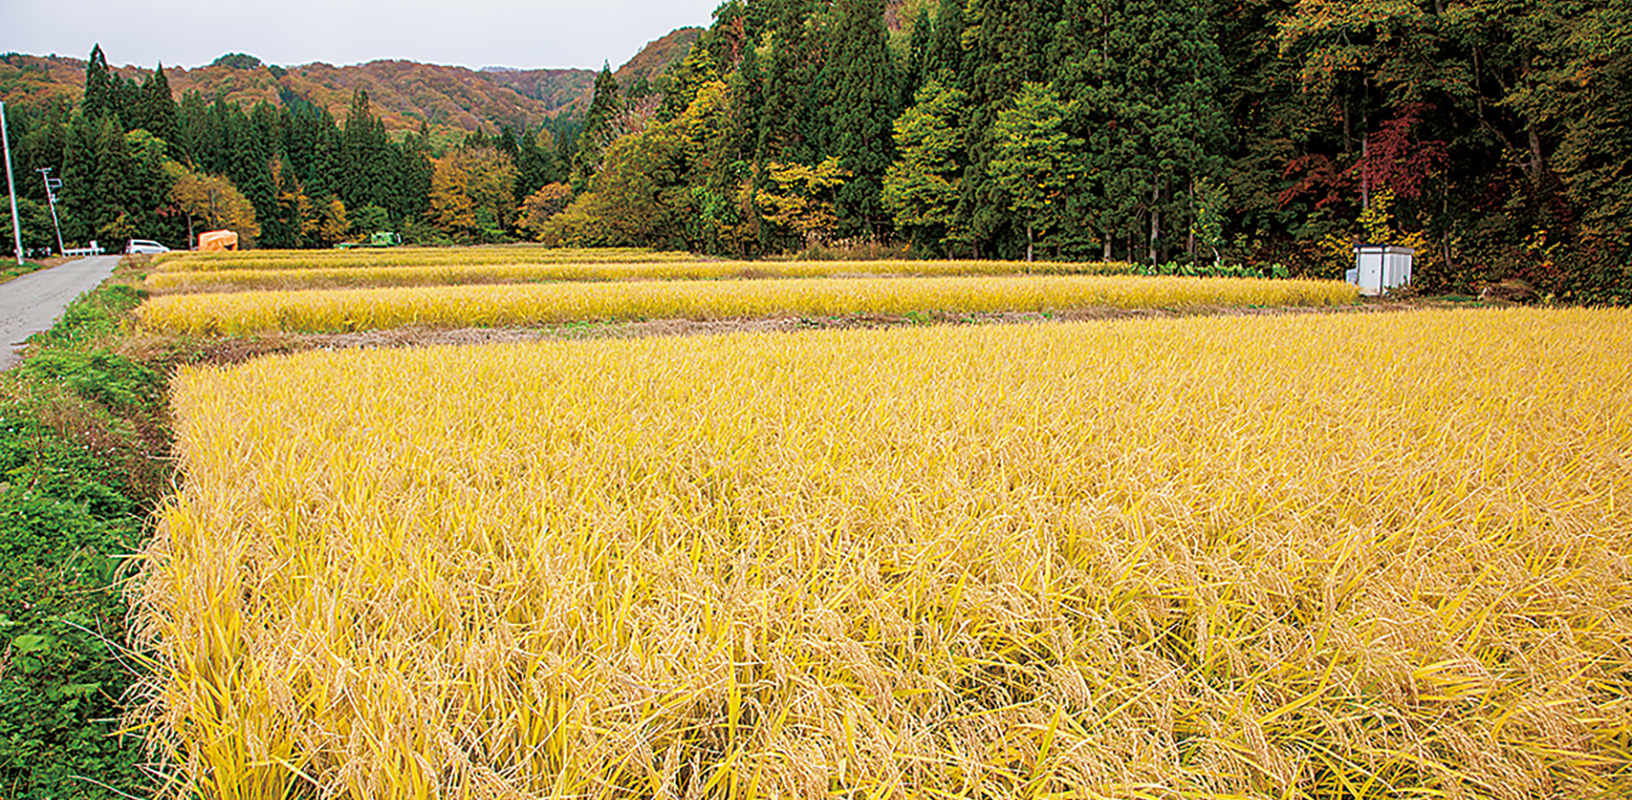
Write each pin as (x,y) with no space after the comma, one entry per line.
(215,241)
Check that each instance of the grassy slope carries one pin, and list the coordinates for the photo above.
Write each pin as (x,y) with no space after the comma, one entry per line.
(82,433)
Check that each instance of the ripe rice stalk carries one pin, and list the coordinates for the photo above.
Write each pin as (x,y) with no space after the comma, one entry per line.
(492,306)
(1314,556)
(405,257)
(332,277)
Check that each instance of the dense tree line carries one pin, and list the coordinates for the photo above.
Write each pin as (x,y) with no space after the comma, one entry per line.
(1491,135)
(137,163)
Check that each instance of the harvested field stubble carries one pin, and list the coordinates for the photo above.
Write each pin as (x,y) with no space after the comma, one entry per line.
(489,306)
(323,276)
(1323,556)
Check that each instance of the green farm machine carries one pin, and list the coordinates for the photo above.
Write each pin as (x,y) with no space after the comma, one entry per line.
(381,239)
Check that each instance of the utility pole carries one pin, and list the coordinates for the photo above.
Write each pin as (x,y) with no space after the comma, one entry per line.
(51,187)
(11,187)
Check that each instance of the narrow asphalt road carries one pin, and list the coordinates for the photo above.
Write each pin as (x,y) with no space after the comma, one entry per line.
(33,302)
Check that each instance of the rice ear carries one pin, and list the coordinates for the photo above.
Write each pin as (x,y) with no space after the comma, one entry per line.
(1224,556)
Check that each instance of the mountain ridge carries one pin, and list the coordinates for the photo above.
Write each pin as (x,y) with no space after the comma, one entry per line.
(403,93)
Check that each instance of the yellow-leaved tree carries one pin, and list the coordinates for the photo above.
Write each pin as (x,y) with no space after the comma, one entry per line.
(1377,226)
(333,224)
(540,206)
(473,193)
(294,207)
(212,202)
(803,198)
(642,196)
(452,209)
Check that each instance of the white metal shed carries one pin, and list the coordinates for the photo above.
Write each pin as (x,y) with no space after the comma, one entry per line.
(1380,267)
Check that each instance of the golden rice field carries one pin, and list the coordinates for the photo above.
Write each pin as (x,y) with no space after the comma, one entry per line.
(405,257)
(535,304)
(1318,556)
(319,276)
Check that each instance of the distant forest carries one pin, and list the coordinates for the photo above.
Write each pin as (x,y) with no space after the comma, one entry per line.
(1494,136)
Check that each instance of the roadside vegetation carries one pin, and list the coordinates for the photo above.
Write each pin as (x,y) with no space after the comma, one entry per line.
(83,442)
(9,268)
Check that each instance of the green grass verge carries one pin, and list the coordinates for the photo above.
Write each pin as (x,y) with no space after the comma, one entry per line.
(82,433)
(9,268)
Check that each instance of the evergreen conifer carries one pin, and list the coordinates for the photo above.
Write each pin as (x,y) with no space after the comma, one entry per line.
(861,81)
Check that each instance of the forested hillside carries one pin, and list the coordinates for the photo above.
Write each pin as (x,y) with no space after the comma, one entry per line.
(136,163)
(404,94)
(1490,135)
(570,89)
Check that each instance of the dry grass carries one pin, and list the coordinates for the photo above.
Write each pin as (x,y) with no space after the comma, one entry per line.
(491,306)
(328,277)
(1318,556)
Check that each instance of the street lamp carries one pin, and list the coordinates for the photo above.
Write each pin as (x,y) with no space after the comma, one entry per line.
(51,187)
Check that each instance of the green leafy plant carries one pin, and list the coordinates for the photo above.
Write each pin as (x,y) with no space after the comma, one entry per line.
(77,424)
(113,381)
(1190,270)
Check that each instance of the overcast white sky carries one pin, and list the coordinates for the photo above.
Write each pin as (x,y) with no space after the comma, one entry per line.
(190,33)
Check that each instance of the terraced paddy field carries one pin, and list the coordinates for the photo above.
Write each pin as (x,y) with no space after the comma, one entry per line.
(1328,556)
(542,304)
(318,275)
(405,257)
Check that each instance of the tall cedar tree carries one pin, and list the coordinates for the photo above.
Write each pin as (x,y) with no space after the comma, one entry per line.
(365,159)
(601,127)
(1007,45)
(1266,117)
(1144,78)
(254,150)
(861,84)
(155,108)
(102,90)
(917,70)
(792,125)
(411,163)
(944,59)
(96,177)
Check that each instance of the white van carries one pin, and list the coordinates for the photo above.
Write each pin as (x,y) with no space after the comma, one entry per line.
(145,246)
